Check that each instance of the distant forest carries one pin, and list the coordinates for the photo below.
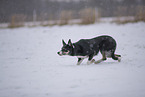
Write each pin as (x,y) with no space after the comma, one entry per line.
(51,10)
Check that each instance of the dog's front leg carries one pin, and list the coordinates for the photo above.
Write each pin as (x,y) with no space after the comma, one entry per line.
(90,60)
(80,61)
(101,60)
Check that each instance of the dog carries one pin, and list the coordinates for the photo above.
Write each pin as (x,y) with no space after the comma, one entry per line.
(88,48)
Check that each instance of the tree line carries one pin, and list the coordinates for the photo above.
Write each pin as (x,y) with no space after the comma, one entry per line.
(39,10)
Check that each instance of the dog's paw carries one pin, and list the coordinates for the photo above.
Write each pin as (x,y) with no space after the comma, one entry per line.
(78,63)
(119,59)
(90,62)
(97,62)
(93,60)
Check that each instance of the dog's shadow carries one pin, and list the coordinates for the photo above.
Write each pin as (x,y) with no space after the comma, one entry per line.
(99,64)
(93,64)
(106,63)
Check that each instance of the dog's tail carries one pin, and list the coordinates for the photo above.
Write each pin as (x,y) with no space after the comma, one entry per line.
(117,55)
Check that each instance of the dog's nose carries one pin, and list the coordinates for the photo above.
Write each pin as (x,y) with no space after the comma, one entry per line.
(58,52)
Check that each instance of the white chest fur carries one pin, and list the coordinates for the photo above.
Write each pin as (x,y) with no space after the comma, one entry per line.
(82,56)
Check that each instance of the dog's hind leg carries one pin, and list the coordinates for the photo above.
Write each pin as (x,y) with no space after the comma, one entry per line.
(80,61)
(101,60)
(116,57)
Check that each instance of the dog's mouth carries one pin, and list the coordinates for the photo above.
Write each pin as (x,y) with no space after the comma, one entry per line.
(63,53)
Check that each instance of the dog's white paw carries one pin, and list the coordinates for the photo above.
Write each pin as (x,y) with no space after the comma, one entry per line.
(90,62)
(99,61)
(119,59)
(78,63)
(96,62)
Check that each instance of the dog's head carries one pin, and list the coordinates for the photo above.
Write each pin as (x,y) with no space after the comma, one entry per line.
(66,49)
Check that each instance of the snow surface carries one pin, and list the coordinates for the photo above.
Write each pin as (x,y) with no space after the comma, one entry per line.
(30,66)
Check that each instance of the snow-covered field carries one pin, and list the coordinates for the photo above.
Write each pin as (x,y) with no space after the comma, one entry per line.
(30,66)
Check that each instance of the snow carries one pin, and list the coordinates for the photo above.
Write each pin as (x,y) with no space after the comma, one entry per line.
(30,66)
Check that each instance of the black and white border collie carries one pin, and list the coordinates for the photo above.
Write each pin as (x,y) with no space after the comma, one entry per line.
(88,48)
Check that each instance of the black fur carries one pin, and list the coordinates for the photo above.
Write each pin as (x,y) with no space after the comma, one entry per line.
(90,47)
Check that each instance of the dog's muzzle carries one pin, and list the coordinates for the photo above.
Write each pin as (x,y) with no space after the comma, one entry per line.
(62,53)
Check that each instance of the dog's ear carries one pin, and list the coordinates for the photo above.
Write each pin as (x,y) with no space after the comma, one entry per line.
(63,42)
(69,42)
